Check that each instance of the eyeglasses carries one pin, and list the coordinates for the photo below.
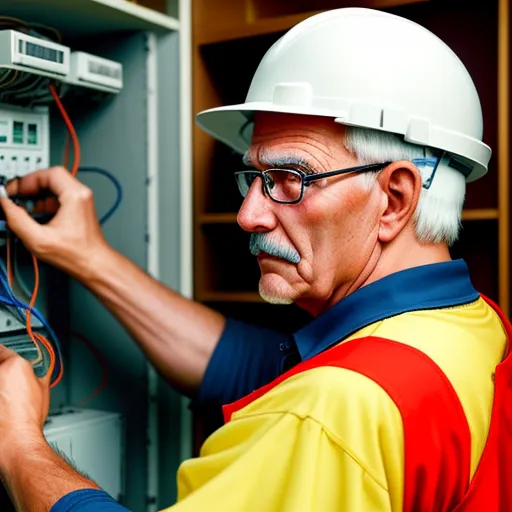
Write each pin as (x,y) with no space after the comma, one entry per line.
(286,186)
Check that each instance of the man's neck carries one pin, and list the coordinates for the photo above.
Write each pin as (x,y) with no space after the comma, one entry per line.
(383,262)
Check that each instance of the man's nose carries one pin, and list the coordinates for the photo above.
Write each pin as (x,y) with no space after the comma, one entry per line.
(257,210)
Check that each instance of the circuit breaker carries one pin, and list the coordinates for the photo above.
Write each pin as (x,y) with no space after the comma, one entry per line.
(24,140)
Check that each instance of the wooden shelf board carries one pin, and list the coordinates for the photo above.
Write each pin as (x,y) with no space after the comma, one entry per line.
(228,297)
(257,28)
(480,214)
(467,215)
(268,25)
(78,18)
(217,218)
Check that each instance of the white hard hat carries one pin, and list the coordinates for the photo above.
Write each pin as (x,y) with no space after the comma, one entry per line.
(366,68)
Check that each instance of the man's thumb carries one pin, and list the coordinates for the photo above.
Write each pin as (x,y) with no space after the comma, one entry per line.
(18,220)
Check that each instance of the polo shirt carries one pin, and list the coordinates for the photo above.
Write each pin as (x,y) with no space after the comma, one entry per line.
(329,438)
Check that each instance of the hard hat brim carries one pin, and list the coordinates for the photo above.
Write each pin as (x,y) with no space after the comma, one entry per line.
(232,125)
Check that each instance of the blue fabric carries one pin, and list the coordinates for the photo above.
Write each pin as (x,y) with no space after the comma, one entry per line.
(88,500)
(248,357)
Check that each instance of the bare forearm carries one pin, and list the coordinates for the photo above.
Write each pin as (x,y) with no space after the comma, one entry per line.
(36,477)
(176,334)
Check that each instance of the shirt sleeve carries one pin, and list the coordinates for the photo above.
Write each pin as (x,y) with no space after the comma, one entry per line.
(87,500)
(291,463)
(247,357)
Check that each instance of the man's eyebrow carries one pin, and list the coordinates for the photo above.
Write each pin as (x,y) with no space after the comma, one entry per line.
(246,159)
(279,162)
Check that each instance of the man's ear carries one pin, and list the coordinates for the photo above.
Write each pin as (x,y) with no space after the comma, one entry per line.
(401,183)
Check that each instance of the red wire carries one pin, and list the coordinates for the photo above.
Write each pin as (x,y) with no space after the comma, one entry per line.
(70,128)
(99,356)
(65,160)
(36,337)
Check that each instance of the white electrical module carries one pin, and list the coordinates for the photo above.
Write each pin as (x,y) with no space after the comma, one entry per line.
(86,68)
(32,54)
(24,140)
(93,441)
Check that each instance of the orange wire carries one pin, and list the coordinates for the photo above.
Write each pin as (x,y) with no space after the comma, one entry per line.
(53,358)
(33,298)
(35,337)
(70,128)
(10,279)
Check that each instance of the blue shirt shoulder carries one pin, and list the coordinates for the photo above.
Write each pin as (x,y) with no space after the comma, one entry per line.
(247,357)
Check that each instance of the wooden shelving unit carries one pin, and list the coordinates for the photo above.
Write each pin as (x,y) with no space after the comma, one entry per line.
(250,26)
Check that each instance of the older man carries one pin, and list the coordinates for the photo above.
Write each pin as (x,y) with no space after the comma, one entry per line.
(361,129)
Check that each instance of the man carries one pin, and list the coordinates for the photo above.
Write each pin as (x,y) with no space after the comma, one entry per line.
(359,151)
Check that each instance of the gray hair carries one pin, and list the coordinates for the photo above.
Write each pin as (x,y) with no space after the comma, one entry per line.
(438,214)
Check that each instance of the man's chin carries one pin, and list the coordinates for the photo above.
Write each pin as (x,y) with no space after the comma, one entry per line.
(273,299)
(271,295)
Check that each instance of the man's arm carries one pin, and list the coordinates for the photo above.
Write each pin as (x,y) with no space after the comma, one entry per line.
(35,476)
(176,334)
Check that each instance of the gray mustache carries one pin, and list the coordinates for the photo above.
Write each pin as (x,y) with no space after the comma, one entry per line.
(262,242)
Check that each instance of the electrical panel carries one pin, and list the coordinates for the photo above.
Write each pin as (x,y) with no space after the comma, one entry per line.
(18,50)
(94,443)
(88,68)
(60,106)
(24,140)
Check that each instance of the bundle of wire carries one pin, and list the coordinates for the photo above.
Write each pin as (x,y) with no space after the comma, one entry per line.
(16,85)
(23,312)
(56,367)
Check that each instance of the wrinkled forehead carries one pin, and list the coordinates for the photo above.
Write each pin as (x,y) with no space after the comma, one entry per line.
(290,139)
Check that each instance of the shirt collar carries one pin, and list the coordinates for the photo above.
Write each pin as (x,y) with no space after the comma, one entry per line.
(426,287)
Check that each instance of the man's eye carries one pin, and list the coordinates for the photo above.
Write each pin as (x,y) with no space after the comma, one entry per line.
(293,178)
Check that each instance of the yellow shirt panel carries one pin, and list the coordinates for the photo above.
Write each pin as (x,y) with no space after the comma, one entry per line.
(277,461)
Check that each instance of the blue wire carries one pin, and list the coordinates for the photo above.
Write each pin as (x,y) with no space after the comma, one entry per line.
(22,308)
(4,281)
(116,183)
(37,314)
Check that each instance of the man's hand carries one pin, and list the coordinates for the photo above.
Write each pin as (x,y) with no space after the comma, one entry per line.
(24,403)
(33,474)
(72,240)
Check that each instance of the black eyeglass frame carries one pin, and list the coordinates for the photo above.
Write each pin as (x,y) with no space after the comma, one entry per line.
(307,179)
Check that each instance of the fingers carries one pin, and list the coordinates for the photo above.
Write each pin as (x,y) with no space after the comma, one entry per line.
(18,220)
(48,205)
(56,179)
(6,353)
